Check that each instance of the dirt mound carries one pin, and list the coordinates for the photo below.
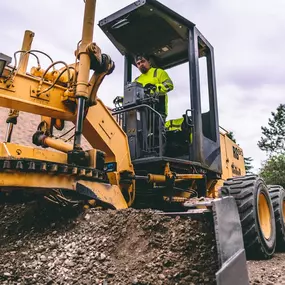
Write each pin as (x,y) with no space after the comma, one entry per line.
(48,245)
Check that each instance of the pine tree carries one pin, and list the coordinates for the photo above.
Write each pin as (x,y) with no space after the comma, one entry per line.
(273,139)
(248,165)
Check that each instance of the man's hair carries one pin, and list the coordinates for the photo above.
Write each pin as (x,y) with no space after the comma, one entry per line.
(140,56)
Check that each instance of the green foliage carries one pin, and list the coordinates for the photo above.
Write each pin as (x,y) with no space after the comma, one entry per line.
(248,165)
(231,136)
(273,139)
(273,170)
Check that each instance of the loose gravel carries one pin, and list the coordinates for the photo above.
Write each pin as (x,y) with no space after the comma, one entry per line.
(44,244)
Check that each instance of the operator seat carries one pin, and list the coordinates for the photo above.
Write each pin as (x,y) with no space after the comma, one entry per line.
(178,137)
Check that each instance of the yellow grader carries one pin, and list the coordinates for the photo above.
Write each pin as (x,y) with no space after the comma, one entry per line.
(134,159)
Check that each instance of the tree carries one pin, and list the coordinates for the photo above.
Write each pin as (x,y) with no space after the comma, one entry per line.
(273,170)
(248,165)
(273,139)
(231,136)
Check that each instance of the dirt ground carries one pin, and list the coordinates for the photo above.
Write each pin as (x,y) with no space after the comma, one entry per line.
(41,244)
(268,272)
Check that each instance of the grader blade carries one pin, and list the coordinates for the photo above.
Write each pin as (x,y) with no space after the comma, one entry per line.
(230,247)
(229,240)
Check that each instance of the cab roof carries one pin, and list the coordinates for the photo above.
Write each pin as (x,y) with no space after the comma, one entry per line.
(147,26)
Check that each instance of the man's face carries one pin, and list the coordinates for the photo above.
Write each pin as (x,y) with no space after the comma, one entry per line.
(143,65)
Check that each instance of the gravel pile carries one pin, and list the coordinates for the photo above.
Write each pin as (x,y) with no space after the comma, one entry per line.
(48,245)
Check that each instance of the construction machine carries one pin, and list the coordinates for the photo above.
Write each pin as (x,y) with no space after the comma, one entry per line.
(135,160)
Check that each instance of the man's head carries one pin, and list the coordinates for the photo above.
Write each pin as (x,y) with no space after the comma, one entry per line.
(142,62)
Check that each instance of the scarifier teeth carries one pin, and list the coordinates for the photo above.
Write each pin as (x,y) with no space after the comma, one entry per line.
(32,166)
(54,168)
(20,165)
(64,169)
(74,170)
(7,164)
(43,167)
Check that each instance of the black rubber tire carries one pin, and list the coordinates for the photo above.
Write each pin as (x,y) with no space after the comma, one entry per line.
(246,190)
(277,194)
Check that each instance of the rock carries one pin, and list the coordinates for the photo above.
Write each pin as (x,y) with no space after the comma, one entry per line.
(7,274)
(102,257)
(69,263)
(43,258)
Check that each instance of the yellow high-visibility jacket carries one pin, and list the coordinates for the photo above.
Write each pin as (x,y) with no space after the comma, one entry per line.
(176,125)
(163,83)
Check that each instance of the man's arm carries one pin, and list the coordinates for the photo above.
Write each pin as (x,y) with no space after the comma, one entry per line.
(165,84)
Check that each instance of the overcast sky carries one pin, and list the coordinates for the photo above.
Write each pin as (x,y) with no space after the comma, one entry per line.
(247,36)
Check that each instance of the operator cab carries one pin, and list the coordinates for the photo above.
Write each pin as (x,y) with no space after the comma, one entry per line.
(149,27)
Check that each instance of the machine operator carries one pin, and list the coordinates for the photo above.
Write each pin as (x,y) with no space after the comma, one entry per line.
(156,77)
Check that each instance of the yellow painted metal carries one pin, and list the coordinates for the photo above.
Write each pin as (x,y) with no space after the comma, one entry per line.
(232,163)
(189,176)
(38,182)
(175,199)
(53,75)
(95,82)
(107,193)
(167,170)
(26,46)
(84,58)
(93,158)
(22,67)
(22,96)
(156,178)
(37,71)
(212,188)
(264,216)
(100,128)
(102,132)
(58,144)
(20,151)
(232,158)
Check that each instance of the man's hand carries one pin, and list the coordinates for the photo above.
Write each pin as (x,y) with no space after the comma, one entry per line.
(118,100)
(150,87)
